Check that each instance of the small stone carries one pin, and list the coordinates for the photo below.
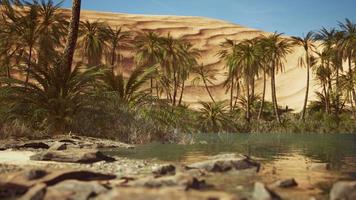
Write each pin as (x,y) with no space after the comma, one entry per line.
(287,183)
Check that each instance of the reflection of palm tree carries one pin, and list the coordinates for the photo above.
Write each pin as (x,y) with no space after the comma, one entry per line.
(277,48)
(307,43)
(92,41)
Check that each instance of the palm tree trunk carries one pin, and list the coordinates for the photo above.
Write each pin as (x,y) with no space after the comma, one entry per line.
(326,98)
(181,93)
(307,89)
(113,58)
(208,90)
(231,93)
(274,98)
(337,91)
(29,60)
(353,97)
(248,99)
(72,35)
(263,96)
(237,92)
(252,87)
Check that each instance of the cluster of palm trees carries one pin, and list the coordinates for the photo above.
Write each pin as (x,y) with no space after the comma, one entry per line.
(246,60)
(32,36)
(324,53)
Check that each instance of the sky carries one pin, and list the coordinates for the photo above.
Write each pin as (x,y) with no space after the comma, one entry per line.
(292,17)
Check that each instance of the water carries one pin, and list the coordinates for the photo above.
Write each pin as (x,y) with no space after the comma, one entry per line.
(299,156)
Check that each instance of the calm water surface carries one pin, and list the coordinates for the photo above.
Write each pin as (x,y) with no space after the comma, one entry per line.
(299,156)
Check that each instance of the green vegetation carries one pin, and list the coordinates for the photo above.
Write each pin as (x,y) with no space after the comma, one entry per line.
(42,93)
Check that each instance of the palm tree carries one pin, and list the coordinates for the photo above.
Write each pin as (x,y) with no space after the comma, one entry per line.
(149,53)
(246,55)
(214,116)
(264,67)
(307,43)
(72,35)
(330,41)
(323,74)
(233,76)
(207,76)
(92,41)
(53,28)
(188,63)
(128,90)
(277,48)
(347,47)
(116,39)
(53,96)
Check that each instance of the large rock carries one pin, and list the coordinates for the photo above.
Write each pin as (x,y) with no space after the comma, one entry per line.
(37,192)
(261,192)
(58,146)
(73,189)
(343,190)
(72,156)
(225,164)
(180,180)
(165,170)
(162,194)
(17,184)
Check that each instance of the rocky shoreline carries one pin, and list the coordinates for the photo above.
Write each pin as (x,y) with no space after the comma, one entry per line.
(74,167)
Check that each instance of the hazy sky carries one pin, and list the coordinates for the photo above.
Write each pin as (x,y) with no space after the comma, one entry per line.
(293,17)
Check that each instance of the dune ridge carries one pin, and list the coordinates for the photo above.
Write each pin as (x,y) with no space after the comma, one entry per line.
(206,34)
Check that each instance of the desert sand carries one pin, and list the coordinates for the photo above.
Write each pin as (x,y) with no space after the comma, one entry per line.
(207,34)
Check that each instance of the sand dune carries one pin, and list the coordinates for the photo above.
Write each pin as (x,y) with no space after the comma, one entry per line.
(207,34)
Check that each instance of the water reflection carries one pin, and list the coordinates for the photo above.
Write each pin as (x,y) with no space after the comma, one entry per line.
(304,157)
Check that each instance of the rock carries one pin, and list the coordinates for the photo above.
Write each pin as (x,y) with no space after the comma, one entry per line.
(163,194)
(180,180)
(287,183)
(72,156)
(37,192)
(261,192)
(58,146)
(17,184)
(73,189)
(343,190)
(35,145)
(319,166)
(165,170)
(225,164)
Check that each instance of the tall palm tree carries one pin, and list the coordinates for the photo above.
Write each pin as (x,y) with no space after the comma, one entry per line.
(277,48)
(92,41)
(207,76)
(233,75)
(72,35)
(149,53)
(348,49)
(307,42)
(116,39)
(188,63)
(330,41)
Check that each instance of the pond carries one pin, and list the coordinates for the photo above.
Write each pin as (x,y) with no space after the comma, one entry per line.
(314,160)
